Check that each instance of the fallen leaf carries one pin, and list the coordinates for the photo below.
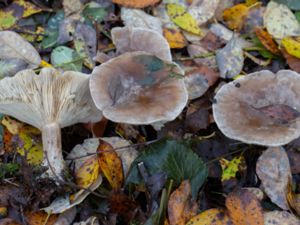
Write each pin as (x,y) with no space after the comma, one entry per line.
(179,15)
(110,165)
(13,126)
(90,221)
(235,16)
(292,45)
(138,18)
(230,168)
(257,192)
(230,59)
(211,217)
(180,206)
(174,38)
(267,40)
(12,45)
(293,62)
(212,42)
(280,21)
(71,6)
(66,58)
(38,218)
(9,221)
(88,173)
(280,218)
(9,67)
(273,169)
(251,2)
(244,208)
(136,3)
(208,59)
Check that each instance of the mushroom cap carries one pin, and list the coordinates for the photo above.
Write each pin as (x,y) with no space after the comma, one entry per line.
(138,88)
(48,97)
(130,39)
(241,106)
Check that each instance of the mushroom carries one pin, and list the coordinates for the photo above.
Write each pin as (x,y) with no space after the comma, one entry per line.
(129,39)
(49,101)
(261,108)
(138,88)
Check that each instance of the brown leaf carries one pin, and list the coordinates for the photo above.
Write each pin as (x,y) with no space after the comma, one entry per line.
(244,208)
(267,40)
(281,114)
(9,221)
(292,61)
(180,206)
(40,217)
(110,165)
(212,42)
(235,16)
(273,169)
(136,3)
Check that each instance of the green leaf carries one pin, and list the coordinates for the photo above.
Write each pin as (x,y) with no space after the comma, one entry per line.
(66,58)
(297,14)
(292,4)
(94,13)
(174,158)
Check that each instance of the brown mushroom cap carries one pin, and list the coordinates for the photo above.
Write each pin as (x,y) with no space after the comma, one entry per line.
(130,39)
(138,88)
(246,109)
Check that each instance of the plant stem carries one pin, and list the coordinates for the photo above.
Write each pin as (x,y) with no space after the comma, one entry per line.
(53,157)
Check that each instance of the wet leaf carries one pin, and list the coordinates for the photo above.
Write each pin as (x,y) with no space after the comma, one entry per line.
(12,45)
(110,165)
(244,208)
(180,206)
(179,15)
(66,58)
(211,217)
(280,218)
(16,10)
(273,169)
(292,4)
(230,59)
(235,16)
(88,173)
(175,38)
(267,40)
(174,158)
(280,21)
(136,3)
(230,168)
(292,45)
(38,218)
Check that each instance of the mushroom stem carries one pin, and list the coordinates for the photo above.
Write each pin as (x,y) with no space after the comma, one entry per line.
(53,157)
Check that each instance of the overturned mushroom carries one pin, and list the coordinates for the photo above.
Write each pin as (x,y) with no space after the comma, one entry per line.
(49,101)
(129,39)
(138,88)
(261,108)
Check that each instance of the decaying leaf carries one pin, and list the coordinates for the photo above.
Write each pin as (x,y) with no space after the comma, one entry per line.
(180,206)
(230,168)
(292,61)
(292,45)
(235,16)
(273,169)
(174,37)
(244,208)
(179,15)
(110,165)
(88,173)
(267,40)
(280,218)
(280,21)
(39,217)
(230,59)
(211,217)
(138,18)
(136,3)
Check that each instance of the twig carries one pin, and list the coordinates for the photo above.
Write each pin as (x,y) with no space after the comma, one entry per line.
(223,156)
(205,55)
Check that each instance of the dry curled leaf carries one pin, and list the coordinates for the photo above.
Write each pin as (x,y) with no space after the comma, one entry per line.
(180,206)
(211,217)
(273,169)
(244,208)
(136,3)
(110,165)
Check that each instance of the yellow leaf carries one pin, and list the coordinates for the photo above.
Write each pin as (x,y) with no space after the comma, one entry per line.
(183,19)
(235,16)
(250,2)
(292,45)
(29,8)
(175,38)
(7,19)
(210,217)
(39,217)
(230,168)
(88,173)
(110,165)
(12,125)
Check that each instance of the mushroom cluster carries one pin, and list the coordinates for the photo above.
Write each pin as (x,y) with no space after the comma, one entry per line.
(261,108)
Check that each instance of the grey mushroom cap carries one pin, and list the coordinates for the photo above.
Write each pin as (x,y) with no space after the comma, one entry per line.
(127,92)
(237,108)
(50,97)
